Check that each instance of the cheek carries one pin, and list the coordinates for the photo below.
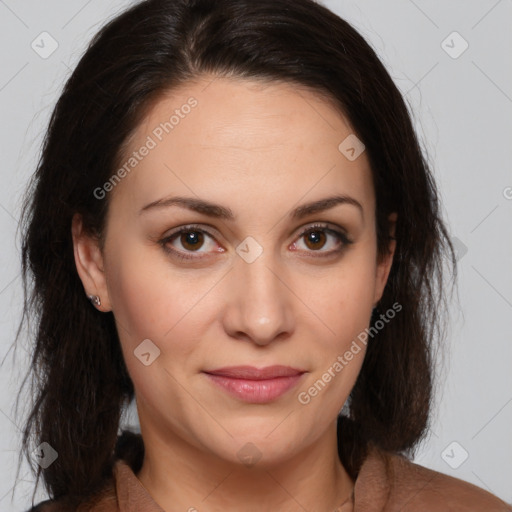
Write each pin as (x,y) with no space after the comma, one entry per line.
(147,299)
(343,302)
(337,356)
(148,306)
(136,297)
(345,298)
(150,301)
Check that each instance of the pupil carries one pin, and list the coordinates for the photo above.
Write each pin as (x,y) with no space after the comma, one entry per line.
(191,238)
(314,237)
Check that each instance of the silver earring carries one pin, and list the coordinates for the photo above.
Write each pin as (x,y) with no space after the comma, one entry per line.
(95,300)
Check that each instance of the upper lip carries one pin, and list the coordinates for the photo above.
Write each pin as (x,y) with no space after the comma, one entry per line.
(252,373)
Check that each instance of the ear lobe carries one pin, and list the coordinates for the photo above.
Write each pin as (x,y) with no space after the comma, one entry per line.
(384,266)
(89,263)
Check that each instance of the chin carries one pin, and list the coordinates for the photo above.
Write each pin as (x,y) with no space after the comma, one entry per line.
(262,443)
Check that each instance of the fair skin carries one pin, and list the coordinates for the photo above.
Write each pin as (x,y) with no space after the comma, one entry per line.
(260,150)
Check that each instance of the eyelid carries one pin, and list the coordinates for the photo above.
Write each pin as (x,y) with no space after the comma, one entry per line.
(326,226)
(183,255)
(336,231)
(300,231)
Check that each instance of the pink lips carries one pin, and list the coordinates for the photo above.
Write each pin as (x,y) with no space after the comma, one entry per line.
(256,385)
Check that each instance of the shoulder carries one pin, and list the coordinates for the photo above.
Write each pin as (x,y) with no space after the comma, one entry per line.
(58,506)
(407,486)
(104,501)
(50,506)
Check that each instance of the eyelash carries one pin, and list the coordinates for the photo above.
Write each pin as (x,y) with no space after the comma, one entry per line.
(192,228)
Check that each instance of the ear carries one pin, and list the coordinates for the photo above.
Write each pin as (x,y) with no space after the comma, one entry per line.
(89,263)
(384,265)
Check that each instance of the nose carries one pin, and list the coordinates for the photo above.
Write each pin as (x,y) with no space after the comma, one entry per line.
(259,302)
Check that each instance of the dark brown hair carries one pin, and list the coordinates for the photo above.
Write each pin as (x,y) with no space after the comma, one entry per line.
(80,382)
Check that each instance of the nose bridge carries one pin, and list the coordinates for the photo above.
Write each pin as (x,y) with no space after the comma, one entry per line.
(261,305)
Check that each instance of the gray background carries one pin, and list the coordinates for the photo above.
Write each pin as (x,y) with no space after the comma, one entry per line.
(462,110)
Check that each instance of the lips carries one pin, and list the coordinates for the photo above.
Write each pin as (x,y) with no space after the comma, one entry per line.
(256,385)
(252,373)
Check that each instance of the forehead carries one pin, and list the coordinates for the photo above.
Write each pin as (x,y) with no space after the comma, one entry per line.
(244,140)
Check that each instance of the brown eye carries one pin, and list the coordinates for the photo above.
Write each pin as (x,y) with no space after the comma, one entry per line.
(315,239)
(191,240)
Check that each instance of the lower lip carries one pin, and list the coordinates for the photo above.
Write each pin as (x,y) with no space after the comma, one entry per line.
(256,391)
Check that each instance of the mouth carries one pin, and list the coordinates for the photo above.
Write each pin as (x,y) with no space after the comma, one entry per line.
(256,385)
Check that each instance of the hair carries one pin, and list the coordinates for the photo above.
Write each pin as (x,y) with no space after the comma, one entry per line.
(80,383)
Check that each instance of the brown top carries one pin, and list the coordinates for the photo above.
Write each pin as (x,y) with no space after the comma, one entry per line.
(386,483)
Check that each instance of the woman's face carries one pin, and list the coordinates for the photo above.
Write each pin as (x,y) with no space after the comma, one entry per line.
(242,286)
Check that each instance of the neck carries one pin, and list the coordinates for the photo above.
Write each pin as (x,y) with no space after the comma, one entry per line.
(180,476)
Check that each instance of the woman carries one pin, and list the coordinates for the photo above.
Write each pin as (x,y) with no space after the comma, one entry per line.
(233,224)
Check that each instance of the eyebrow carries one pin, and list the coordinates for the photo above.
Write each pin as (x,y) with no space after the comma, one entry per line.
(221,212)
